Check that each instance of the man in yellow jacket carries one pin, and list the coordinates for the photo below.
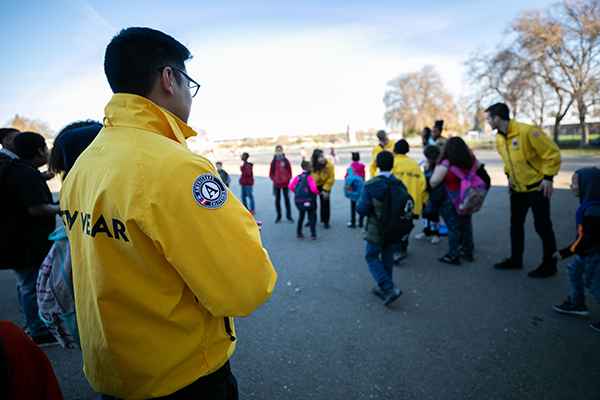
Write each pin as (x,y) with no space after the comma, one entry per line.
(408,171)
(384,144)
(324,177)
(531,160)
(163,254)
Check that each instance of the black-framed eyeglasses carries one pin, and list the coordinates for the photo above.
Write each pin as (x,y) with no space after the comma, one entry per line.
(192,84)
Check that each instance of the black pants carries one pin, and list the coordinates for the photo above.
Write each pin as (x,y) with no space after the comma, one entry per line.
(312,221)
(286,197)
(540,206)
(324,207)
(353,213)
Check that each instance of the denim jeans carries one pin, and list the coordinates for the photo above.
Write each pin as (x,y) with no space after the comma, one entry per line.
(247,192)
(26,293)
(460,229)
(590,267)
(381,268)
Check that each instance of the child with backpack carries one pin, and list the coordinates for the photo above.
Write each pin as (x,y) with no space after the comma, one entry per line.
(353,184)
(281,173)
(430,217)
(465,193)
(389,208)
(305,193)
(247,182)
(584,271)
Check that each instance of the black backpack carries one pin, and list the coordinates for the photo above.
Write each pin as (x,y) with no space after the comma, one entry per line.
(304,198)
(397,216)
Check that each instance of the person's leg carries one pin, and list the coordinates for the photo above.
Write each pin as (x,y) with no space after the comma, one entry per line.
(286,199)
(466,234)
(251,197)
(451,218)
(376,267)
(540,206)
(244,194)
(312,222)
(352,212)
(575,271)
(518,211)
(387,259)
(26,293)
(592,275)
(301,221)
(324,210)
(277,193)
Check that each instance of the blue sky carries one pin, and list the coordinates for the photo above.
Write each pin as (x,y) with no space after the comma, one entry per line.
(266,68)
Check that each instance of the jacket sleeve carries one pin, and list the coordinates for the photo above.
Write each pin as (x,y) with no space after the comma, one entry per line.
(217,251)
(272,170)
(330,178)
(547,150)
(292,184)
(373,166)
(289,168)
(312,185)
(365,204)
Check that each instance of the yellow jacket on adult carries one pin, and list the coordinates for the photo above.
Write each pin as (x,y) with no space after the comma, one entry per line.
(529,156)
(408,171)
(376,150)
(325,178)
(163,255)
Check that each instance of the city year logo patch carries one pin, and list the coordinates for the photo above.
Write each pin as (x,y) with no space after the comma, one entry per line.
(209,191)
(515,143)
(536,134)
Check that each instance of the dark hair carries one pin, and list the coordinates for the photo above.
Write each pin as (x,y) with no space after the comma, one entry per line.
(457,152)
(134,57)
(218,163)
(427,135)
(432,152)
(245,156)
(315,156)
(401,147)
(384,161)
(381,135)
(28,143)
(305,164)
(4,132)
(500,110)
(57,159)
(279,147)
(439,124)
(355,156)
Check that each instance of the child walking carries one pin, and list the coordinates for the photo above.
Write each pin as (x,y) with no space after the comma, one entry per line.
(247,182)
(584,271)
(223,174)
(305,192)
(281,173)
(431,212)
(354,182)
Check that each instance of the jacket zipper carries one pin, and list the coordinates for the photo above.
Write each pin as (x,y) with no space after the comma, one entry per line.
(228,329)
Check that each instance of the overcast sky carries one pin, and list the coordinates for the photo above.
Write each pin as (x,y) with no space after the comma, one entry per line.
(266,68)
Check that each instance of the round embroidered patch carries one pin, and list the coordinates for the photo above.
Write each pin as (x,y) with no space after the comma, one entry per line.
(515,143)
(536,134)
(209,191)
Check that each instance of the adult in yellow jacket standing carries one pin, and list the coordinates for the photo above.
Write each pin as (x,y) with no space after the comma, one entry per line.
(384,144)
(408,171)
(163,255)
(531,160)
(324,177)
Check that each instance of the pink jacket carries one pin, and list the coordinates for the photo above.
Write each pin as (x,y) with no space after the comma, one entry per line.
(358,168)
(311,183)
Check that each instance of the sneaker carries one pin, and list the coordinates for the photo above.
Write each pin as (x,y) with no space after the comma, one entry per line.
(290,220)
(569,308)
(421,236)
(508,263)
(306,225)
(449,260)
(378,292)
(595,326)
(466,256)
(326,225)
(360,224)
(543,271)
(351,225)
(299,236)
(277,220)
(252,212)
(46,340)
(435,239)
(399,255)
(391,294)
(313,238)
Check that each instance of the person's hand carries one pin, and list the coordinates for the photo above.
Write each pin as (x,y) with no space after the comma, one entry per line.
(546,188)
(47,175)
(259,223)
(509,186)
(325,195)
(557,256)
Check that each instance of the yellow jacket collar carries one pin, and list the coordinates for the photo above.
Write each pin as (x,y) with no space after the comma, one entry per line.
(135,111)
(511,127)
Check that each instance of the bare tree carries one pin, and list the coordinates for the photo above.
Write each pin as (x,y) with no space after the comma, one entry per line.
(564,41)
(31,125)
(417,99)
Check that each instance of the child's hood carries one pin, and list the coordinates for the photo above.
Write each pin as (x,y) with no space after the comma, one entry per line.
(358,167)
(589,189)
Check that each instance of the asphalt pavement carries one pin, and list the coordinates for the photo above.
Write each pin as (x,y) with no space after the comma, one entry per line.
(457,332)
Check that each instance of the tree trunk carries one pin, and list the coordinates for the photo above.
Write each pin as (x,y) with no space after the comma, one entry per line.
(585,130)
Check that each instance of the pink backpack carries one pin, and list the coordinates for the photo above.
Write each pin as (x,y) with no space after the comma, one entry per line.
(473,190)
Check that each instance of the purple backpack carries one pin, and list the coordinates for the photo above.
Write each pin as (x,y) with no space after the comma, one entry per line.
(472,192)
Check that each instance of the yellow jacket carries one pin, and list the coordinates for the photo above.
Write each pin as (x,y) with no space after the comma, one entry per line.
(408,171)
(376,150)
(163,255)
(325,178)
(529,156)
